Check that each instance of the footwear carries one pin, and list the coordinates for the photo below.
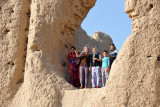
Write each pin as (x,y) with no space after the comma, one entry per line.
(81,87)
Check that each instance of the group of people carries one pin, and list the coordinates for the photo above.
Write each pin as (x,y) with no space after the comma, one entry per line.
(81,64)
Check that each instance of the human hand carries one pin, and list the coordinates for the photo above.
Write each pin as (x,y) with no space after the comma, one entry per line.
(107,70)
(76,51)
(95,58)
(111,56)
(89,68)
(77,54)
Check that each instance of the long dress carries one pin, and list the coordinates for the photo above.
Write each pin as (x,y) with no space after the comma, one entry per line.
(73,70)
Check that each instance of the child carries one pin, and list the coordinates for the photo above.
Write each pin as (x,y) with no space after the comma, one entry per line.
(105,68)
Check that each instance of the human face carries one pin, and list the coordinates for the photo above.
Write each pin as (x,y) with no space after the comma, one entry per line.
(104,54)
(72,50)
(111,47)
(86,49)
(94,50)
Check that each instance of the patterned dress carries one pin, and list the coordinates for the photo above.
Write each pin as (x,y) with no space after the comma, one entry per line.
(73,70)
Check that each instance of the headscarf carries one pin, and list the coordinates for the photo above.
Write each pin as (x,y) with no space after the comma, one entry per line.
(84,50)
(114,50)
(96,50)
(87,47)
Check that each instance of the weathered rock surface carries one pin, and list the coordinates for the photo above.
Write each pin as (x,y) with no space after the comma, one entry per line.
(101,40)
(135,75)
(35,37)
(13,36)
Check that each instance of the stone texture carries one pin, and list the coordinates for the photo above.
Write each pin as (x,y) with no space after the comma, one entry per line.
(35,38)
(13,35)
(135,75)
(82,97)
(99,39)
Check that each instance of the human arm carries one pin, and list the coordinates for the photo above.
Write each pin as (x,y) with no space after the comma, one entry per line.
(111,56)
(107,70)
(90,69)
(98,59)
(114,55)
(77,54)
(81,54)
(90,63)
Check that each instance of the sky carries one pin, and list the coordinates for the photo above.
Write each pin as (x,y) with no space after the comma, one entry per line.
(108,16)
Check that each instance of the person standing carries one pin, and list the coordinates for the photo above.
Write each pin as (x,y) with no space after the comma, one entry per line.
(73,69)
(113,54)
(84,66)
(105,68)
(96,69)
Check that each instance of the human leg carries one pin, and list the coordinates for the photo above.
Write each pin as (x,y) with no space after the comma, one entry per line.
(86,75)
(99,77)
(94,77)
(81,74)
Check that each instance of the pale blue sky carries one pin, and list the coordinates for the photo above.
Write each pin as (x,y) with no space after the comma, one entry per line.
(108,16)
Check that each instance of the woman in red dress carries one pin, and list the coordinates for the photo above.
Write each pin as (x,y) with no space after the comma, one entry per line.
(73,69)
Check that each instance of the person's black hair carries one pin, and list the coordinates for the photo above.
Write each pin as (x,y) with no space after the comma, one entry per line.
(113,46)
(73,47)
(105,51)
